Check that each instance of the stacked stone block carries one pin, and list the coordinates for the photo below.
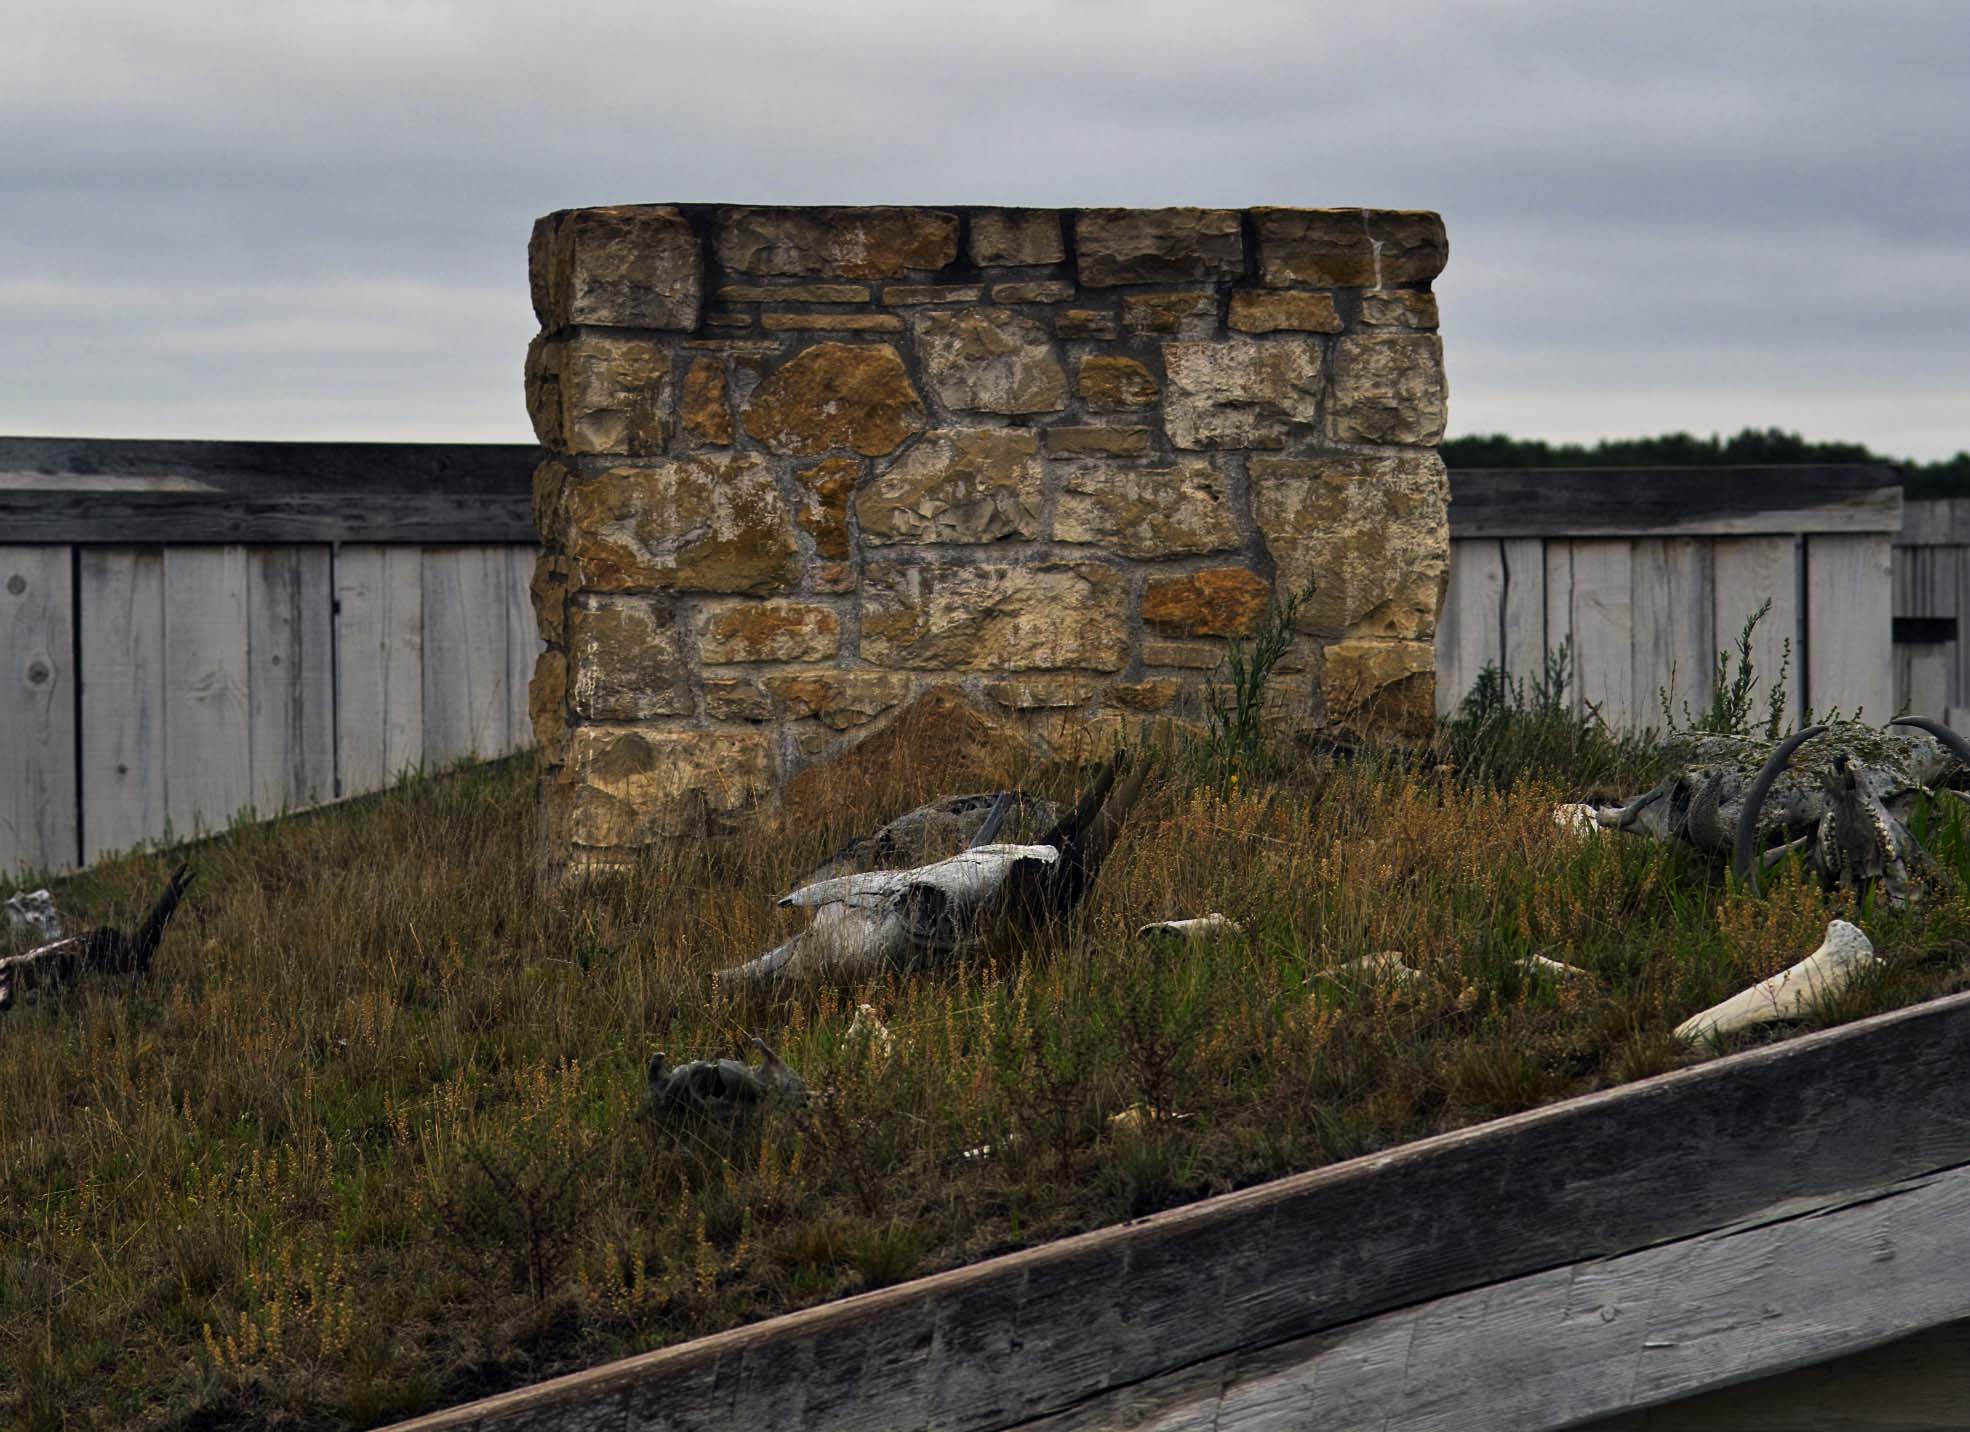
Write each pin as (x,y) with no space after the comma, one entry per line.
(805,464)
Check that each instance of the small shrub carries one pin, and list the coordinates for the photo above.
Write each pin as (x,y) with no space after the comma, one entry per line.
(1153,1168)
(1507,730)
(1733,691)
(886,1253)
(1237,741)
(521,1198)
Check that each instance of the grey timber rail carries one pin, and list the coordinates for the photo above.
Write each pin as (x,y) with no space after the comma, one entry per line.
(1777,1208)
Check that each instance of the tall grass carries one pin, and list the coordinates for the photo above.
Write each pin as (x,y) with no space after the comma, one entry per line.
(370,1138)
(1508,729)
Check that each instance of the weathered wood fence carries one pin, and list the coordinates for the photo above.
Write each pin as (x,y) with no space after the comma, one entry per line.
(1646,573)
(189,631)
(1932,607)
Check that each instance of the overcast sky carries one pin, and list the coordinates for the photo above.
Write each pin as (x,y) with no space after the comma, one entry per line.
(274,220)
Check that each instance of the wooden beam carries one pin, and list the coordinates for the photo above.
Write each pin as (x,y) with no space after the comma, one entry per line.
(1749,572)
(1919,1382)
(1850,655)
(1675,630)
(126,490)
(1468,633)
(1038,1333)
(120,604)
(1525,610)
(379,666)
(38,809)
(1821,1278)
(1673,501)
(208,732)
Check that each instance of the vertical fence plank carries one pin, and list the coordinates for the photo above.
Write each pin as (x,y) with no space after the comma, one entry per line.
(1750,570)
(291,677)
(1467,632)
(1559,614)
(1922,678)
(1603,629)
(379,665)
(208,765)
(1953,596)
(1525,607)
(121,610)
(39,814)
(523,644)
(1914,571)
(1945,572)
(465,664)
(1849,644)
(1674,625)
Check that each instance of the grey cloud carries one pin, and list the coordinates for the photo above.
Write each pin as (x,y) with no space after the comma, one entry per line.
(288,219)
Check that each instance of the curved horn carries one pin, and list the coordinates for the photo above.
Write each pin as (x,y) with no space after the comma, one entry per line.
(1958,747)
(988,831)
(1743,859)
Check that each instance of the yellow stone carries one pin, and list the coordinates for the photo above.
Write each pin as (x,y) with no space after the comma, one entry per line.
(715,523)
(842,242)
(1013,237)
(1259,311)
(767,631)
(704,409)
(1149,513)
(1370,531)
(631,786)
(624,660)
(957,485)
(1382,687)
(841,700)
(995,618)
(1218,601)
(1111,384)
(836,395)
(823,510)
(1349,248)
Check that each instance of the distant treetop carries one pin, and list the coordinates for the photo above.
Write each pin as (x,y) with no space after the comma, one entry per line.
(1949,477)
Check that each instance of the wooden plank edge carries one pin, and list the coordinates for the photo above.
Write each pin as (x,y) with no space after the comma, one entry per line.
(56,517)
(547,1402)
(1592,1340)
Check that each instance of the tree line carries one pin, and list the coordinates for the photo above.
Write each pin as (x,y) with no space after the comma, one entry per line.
(1759,446)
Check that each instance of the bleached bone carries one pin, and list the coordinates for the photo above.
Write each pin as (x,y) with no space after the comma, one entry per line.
(1141,1116)
(105,951)
(1201,927)
(1386,965)
(989,891)
(33,912)
(1577,818)
(1540,966)
(1791,993)
(868,1025)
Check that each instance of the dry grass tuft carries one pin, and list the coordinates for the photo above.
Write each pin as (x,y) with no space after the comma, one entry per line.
(370,1140)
